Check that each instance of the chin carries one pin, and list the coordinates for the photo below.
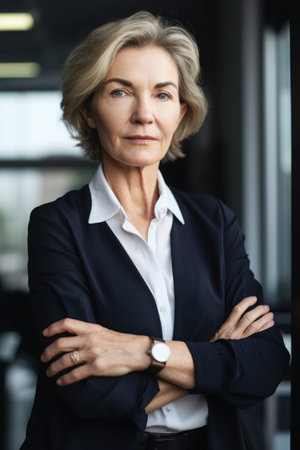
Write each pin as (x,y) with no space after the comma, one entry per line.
(142,161)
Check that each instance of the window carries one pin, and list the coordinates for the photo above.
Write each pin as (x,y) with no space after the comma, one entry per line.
(277,167)
(38,163)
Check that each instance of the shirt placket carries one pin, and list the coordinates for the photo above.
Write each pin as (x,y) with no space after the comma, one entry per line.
(157,283)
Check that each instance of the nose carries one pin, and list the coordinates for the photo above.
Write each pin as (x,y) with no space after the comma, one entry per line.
(142,111)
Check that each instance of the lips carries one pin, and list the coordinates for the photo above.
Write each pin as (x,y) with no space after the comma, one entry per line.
(141,138)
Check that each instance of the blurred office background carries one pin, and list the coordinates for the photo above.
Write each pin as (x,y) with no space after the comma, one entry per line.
(242,154)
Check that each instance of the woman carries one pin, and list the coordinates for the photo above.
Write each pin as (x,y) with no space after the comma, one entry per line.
(131,281)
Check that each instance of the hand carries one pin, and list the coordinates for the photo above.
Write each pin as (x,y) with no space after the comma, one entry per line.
(240,324)
(102,352)
(167,393)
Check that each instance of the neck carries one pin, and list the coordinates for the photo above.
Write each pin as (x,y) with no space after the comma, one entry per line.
(136,189)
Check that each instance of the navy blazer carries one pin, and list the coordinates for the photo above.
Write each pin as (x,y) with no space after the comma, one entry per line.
(80,270)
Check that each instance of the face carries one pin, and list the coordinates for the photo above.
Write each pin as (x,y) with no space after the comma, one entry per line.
(137,110)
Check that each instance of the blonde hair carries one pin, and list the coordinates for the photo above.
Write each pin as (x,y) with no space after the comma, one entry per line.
(88,64)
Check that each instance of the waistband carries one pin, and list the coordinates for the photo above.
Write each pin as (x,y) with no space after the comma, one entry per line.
(185,440)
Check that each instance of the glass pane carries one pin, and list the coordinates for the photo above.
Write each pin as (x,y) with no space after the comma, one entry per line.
(27,188)
(31,126)
(277,169)
(284,164)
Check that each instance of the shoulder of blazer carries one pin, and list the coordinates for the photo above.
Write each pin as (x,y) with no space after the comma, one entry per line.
(71,206)
(210,208)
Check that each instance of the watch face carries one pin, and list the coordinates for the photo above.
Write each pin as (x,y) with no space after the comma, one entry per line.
(161,352)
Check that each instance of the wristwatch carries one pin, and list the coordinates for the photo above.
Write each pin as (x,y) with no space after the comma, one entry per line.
(160,353)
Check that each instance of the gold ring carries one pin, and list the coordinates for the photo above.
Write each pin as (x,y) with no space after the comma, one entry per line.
(75,358)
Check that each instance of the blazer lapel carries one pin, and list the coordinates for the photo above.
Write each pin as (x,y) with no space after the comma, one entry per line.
(185,281)
(198,290)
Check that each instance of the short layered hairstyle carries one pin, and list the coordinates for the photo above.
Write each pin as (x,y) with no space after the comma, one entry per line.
(87,66)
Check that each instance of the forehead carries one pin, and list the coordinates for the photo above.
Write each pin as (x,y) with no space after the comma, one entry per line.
(144,62)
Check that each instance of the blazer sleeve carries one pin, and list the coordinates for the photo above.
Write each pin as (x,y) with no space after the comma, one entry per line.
(59,289)
(247,370)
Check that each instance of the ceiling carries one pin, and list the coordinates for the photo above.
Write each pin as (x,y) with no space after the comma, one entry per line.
(61,24)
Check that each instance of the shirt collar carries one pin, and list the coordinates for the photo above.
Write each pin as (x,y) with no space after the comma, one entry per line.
(105,204)
(167,199)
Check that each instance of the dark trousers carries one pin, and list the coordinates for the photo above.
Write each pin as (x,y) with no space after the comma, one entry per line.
(186,440)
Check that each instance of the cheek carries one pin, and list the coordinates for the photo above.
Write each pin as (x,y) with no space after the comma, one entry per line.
(106,127)
(171,124)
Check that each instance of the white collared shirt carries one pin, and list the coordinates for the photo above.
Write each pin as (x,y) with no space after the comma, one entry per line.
(153,261)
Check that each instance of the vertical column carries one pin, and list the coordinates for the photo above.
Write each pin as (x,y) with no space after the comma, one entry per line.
(251,127)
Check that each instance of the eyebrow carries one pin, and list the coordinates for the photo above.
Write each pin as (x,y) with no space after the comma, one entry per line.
(129,84)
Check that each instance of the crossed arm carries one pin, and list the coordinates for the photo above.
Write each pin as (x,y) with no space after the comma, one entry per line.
(105,353)
(113,380)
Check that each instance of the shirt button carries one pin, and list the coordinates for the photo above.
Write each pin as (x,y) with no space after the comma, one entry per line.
(163,308)
(163,211)
(168,408)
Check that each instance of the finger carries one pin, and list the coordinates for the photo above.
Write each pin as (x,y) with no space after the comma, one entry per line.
(97,366)
(63,363)
(77,374)
(237,323)
(251,316)
(234,317)
(72,326)
(59,346)
(268,325)
(260,324)
(109,364)
(240,308)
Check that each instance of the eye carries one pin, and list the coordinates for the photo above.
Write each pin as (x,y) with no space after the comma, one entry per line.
(163,96)
(118,93)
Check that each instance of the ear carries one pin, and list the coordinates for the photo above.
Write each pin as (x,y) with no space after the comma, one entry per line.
(183,110)
(86,113)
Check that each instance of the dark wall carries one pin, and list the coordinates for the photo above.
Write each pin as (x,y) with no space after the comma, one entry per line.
(213,162)
(295,77)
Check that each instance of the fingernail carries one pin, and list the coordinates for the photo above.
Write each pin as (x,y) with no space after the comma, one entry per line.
(45,331)
(59,382)
(266,307)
